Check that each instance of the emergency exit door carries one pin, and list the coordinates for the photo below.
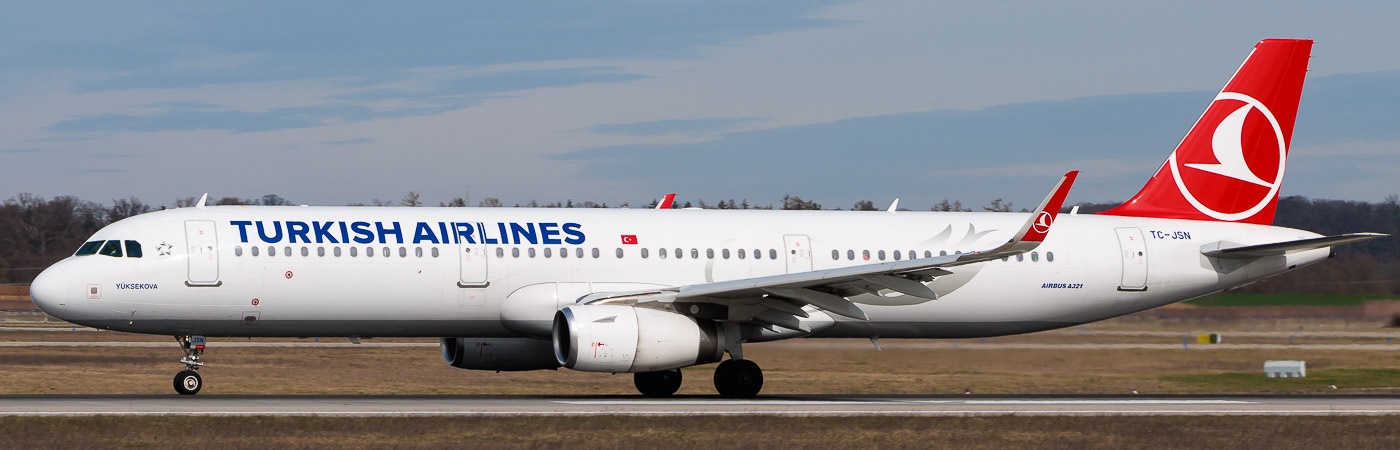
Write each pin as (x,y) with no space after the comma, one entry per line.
(202,251)
(797,249)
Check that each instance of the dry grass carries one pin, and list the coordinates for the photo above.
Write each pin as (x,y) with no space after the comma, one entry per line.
(799,367)
(709,432)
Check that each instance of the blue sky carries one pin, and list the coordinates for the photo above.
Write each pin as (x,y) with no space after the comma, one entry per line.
(336,102)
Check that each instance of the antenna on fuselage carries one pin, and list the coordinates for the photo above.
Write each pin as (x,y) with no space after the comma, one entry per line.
(202,199)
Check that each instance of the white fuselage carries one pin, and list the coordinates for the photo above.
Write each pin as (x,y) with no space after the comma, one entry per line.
(427,280)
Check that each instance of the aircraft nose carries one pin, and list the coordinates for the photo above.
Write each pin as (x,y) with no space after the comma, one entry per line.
(49,290)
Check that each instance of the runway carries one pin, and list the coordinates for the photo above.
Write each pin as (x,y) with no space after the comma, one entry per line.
(215,345)
(795,405)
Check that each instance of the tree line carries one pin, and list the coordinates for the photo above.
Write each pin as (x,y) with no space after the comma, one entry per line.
(36,232)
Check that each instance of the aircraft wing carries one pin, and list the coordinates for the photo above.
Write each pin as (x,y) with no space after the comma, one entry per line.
(782,297)
(1282,248)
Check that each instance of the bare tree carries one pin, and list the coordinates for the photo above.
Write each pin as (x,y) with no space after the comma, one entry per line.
(411,200)
(490,202)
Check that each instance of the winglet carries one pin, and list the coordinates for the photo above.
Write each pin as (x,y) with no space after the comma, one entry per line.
(894,206)
(1038,226)
(1044,215)
(666,201)
(202,199)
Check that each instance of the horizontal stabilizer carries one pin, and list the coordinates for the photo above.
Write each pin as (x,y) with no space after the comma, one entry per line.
(1281,248)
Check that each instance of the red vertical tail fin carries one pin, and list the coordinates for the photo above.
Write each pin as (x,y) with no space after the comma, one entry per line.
(1230,165)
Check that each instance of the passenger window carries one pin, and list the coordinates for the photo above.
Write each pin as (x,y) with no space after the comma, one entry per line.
(403,252)
(928,254)
(1049,256)
(772,254)
(725,252)
(305,251)
(563,253)
(89,248)
(757,254)
(369,252)
(500,252)
(882,255)
(835,255)
(851,255)
(385,252)
(1035,256)
(694,253)
(335,251)
(515,253)
(896,255)
(238,250)
(913,254)
(741,253)
(619,252)
(942,253)
(1020,257)
(354,251)
(271,251)
(254,249)
(435,252)
(530,251)
(680,254)
(418,252)
(578,252)
(287,250)
(661,252)
(1005,258)
(321,252)
(133,249)
(548,253)
(710,253)
(865,254)
(644,253)
(596,253)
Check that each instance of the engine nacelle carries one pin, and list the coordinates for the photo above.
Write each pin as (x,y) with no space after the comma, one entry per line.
(615,338)
(501,354)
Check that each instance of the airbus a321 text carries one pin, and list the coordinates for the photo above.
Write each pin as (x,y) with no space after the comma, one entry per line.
(649,292)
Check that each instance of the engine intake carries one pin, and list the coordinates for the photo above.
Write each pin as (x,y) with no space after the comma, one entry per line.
(500,354)
(615,338)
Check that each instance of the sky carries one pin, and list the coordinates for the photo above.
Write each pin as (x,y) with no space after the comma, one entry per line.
(329,103)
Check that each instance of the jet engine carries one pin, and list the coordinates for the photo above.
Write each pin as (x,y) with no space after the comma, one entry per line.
(499,354)
(616,338)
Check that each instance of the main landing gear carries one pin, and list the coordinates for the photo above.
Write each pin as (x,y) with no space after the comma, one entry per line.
(188,381)
(738,378)
(734,378)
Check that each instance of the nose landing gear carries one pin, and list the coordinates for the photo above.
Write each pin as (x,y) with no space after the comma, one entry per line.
(188,381)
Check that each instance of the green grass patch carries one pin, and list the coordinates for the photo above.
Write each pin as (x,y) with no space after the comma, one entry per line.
(1225,299)
(1252,382)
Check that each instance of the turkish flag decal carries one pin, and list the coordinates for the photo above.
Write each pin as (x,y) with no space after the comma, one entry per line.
(629,239)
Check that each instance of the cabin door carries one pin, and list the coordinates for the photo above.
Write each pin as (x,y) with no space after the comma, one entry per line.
(202,247)
(1134,255)
(474,259)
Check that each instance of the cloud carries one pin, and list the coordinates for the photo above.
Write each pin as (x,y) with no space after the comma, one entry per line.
(21,150)
(1009,148)
(690,127)
(344,142)
(154,45)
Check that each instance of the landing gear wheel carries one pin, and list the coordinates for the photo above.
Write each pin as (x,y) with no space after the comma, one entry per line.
(738,378)
(188,382)
(658,384)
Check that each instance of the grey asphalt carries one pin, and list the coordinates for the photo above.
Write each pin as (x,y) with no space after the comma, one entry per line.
(784,405)
(214,346)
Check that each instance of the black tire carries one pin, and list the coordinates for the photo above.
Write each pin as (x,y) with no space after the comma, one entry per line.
(188,382)
(657,384)
(738,379)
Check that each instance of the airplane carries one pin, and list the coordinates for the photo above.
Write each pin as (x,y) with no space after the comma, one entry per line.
(647,293)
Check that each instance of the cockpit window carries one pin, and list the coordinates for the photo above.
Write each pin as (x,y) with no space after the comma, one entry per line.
(89,248)
(113,248)
(133,249)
